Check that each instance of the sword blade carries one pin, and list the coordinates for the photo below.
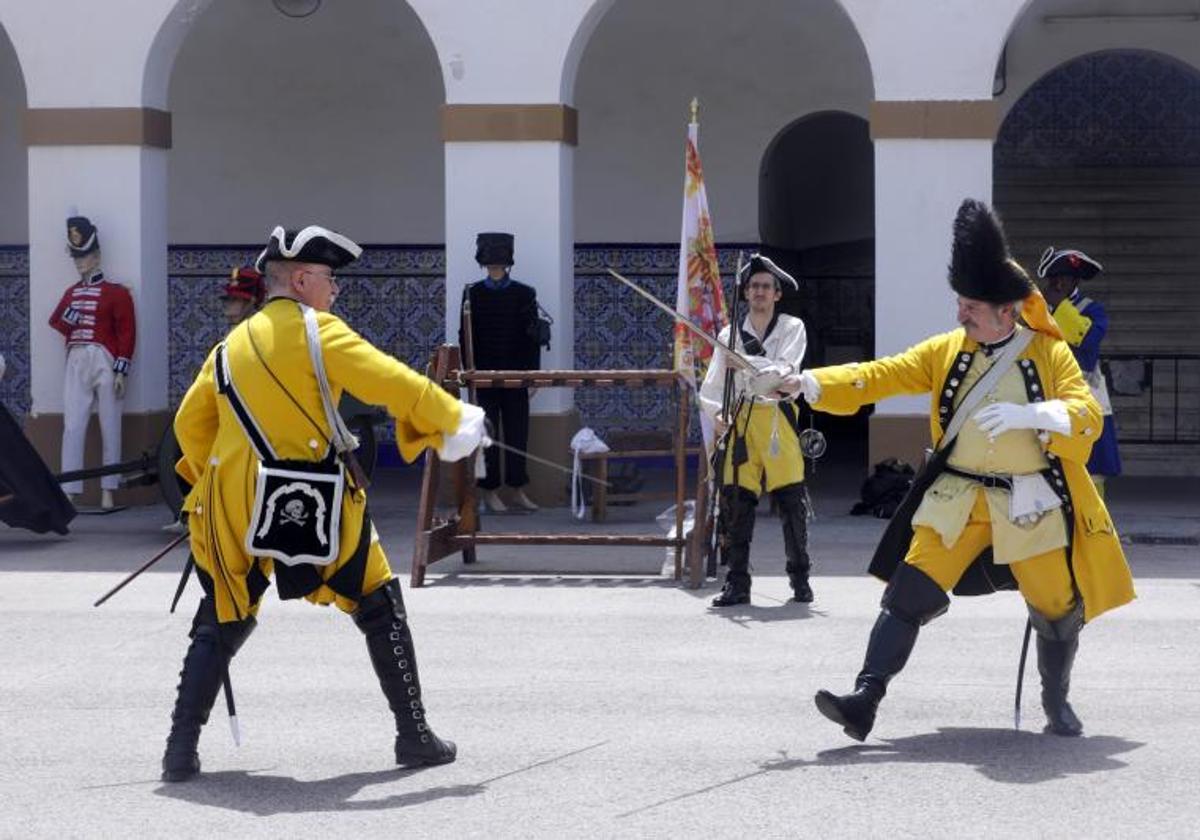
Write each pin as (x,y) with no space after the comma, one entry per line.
(143,568)
(542,461)
(735,358)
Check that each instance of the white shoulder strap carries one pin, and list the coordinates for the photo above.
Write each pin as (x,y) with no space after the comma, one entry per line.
(343,439)
(986,384)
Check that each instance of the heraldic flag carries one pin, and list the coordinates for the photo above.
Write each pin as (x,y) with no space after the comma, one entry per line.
(699,294)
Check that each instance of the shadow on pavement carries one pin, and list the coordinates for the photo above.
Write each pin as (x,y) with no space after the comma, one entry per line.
(1001,755)
(263,796)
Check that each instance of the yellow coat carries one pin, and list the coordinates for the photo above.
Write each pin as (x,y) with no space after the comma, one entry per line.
(1096,556)
(221,466)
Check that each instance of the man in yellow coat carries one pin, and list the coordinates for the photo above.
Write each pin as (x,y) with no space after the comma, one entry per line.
(256,412)
(1008,498)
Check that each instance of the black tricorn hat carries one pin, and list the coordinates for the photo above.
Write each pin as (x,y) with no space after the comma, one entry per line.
(494,249)
(981,266)
(757,264)
(314,244)
(1067,263)
(82,236)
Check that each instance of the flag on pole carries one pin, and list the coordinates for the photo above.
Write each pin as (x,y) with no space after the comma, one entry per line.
(699,294)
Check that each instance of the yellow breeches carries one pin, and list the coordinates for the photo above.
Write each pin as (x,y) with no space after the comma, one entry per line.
(784,467)
(1044,579)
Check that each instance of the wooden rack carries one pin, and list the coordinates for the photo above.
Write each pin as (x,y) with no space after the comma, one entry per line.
(437,538)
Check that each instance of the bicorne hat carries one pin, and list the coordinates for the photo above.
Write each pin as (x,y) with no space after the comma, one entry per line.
(314,244)
(1067,263)
(981,266)
(245,283)
(82,236)
(758,264)
(494,249)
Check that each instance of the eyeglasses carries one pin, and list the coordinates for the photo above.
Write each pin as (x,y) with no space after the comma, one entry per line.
(331,277)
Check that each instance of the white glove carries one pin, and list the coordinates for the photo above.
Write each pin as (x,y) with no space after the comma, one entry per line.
(805,383)
(119,385)
(998,418)
(769,379)
(471,433)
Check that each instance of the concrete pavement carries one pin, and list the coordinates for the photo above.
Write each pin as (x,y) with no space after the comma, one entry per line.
(590,697)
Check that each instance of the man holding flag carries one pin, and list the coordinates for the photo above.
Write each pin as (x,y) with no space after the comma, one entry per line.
(763,434)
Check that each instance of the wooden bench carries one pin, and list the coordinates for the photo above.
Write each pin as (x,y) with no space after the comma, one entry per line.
(627,446)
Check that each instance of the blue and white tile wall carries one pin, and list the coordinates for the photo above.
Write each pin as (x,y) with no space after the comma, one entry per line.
(1116,108)
(14,336)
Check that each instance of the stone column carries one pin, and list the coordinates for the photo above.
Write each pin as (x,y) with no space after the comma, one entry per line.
(929,156)
(109,164)
(510,168)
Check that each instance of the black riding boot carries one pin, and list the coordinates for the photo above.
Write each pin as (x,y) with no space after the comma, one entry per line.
(793,513)
(911,599)
(382,619)
(736,528)
(204,666)
(1057,642)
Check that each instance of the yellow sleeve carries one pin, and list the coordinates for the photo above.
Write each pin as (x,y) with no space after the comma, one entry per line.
(1073,323)
(1087,420)
(196,423)
(847,388)
(423,411)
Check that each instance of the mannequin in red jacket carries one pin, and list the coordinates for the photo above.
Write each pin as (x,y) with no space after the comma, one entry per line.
(96,318)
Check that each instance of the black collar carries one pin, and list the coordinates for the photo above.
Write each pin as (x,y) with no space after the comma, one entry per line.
(751,343)
(96,277)
(990,349)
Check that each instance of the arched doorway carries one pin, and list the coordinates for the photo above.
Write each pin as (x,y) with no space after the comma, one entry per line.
(755,68)
(817,219)
(1102,153)
(14,233)
(329,119)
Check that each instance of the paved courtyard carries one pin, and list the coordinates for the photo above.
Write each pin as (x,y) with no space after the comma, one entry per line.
(591,697)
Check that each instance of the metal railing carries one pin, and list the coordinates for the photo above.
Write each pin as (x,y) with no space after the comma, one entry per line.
(1155,396)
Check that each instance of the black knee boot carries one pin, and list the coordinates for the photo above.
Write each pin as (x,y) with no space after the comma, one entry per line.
(1057,642)
(382,619)
(793,513)
(736,528)
(911,599)
(204,666)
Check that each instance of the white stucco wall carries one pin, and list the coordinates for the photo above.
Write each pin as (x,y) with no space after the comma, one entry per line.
(1037,46)
(14,190)
(756,66)
(331,118)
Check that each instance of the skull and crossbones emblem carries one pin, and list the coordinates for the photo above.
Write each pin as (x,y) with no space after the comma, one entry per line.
(293,513)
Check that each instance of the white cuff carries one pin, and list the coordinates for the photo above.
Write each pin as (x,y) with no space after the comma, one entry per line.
(1052,416)
(810,387)
(467,437)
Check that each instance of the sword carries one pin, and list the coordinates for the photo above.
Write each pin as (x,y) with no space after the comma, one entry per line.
(143,568)
(488,441)
(736,358)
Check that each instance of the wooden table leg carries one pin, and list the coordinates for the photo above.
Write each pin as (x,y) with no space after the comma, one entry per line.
(600,491)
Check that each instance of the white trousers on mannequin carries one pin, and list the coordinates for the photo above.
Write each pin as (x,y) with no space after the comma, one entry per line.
(89,379)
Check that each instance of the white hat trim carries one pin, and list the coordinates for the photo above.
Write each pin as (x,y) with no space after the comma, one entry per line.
(1050,256)
(771,267)
(303,238)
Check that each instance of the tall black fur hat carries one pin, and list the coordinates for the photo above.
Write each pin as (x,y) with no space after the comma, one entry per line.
(314,244)
(82,236)
(981,266)
(494,249)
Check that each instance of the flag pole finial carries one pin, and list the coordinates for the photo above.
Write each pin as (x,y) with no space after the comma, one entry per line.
(695,109)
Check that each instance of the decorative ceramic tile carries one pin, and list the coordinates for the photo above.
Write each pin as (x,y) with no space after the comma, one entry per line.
(14,328)
(1116,108)
(393,296)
